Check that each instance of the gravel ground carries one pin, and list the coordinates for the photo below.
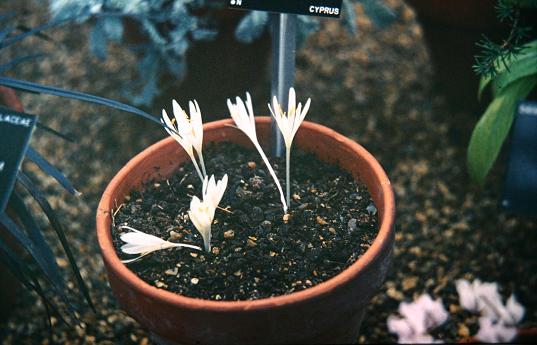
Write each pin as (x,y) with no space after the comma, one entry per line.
(376,88)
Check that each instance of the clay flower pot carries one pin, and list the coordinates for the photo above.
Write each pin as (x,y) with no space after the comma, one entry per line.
(330,312)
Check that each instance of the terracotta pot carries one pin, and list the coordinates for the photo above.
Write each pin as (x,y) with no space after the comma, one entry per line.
(330,312)
(524,336)
(9,286)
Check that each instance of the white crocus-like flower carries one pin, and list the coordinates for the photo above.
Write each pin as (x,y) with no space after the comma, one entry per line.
(288,123)
(188,132)
(201,212)
(138,242)
(498,321)
(418,318)
(494,332)
(485,299)
(243,115)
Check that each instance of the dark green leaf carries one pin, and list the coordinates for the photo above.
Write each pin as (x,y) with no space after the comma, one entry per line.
(27,183)
(53,131)
(526,55)
(19,60)
(51,170)
(33,87)
(492,129)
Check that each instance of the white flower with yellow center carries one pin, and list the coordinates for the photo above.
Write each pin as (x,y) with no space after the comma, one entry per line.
(138,242)
(202,212)
(188,132)
(243,115)
(288,123)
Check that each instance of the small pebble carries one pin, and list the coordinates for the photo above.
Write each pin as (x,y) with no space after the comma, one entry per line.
(172,271)
(252,165)
(352,225)
(321,221)
(266,225)
(257,214)
(229,234)
(194,281)
(174,236)
(463,330)
(371,209)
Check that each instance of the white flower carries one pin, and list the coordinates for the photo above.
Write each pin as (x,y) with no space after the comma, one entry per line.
(243,115)
(201,213)
(419,317)
(188,132)
(486,299)
(288,123)
(138,242)
(494,332)
(498,321)
(515,309)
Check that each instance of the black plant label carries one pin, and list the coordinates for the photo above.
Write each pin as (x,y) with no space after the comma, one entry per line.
(15,132)
(321,8)
(520,185)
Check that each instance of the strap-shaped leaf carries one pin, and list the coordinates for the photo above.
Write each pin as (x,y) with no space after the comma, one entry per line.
(35,235)
(19,60)
(12,40)
(492,129)
(19,269)
(521,67)
(27,183)
(37,256)
(80,96)
(51,170)
(54,132)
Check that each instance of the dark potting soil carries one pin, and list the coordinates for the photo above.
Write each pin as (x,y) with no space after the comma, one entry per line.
(256,253)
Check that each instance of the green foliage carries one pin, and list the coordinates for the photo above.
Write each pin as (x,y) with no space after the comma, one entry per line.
(510,69)
(35,264)
(512,83)
(497,55)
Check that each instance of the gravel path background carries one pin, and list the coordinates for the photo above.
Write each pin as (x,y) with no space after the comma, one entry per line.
(376,88)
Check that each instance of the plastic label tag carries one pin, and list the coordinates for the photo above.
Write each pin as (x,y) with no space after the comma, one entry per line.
(321,8)
(520,185)
(15,132)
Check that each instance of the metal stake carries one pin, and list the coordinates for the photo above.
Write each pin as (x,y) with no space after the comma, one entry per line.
(283,68)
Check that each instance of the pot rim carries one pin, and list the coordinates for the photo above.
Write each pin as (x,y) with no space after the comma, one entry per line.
(380,244)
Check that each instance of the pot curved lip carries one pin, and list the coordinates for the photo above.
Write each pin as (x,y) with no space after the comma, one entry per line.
(381,243)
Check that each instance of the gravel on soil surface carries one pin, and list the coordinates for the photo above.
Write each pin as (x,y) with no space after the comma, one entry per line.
(257,252)
(376,88)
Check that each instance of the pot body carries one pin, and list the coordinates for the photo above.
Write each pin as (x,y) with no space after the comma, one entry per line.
(330,312)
